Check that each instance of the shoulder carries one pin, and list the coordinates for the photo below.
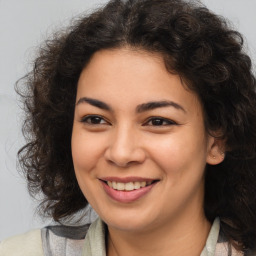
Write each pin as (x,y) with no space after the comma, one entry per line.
(47,241)
(28,244)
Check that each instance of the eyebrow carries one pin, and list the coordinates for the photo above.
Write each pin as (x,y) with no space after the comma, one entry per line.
(139,109)
(95,103)
(158,104)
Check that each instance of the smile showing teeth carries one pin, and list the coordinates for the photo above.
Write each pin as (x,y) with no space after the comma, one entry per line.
(129,186)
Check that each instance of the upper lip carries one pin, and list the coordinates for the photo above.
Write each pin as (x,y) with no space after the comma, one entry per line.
(127,179)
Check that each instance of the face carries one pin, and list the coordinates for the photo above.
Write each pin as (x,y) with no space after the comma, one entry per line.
(139,144)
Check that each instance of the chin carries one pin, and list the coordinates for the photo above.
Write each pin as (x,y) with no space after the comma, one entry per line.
(128,226)
(128,220)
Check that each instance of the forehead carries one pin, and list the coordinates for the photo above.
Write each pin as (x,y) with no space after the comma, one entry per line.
(123,63)
(129,76)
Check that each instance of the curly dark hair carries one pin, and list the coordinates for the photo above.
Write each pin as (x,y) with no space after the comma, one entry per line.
(196,44)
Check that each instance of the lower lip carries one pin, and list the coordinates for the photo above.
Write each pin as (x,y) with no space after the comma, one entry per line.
(126,196)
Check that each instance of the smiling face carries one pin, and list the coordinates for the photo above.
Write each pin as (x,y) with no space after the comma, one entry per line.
(139,144)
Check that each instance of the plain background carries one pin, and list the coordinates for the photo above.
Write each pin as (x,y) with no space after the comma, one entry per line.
(23,25)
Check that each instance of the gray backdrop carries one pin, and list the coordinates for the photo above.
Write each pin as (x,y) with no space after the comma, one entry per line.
(23,25)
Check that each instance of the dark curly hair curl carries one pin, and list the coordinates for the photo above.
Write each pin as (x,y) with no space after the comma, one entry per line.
(196,44)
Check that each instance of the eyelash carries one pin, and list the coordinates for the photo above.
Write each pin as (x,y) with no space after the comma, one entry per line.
(90,117)
(160,121)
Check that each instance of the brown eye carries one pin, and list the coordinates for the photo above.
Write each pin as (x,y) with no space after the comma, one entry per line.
(158,121)
(94,120)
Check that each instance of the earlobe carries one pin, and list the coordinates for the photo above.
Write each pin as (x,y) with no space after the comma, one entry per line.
(215,154)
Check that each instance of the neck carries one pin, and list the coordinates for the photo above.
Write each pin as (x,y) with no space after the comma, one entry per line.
(186,237)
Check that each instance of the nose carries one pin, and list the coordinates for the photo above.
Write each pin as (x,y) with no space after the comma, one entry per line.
(124,148)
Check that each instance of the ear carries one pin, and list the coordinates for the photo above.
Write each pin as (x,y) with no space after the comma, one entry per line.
(215,152)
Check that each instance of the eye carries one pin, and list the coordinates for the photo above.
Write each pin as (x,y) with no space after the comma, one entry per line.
(93,120)
(159,121)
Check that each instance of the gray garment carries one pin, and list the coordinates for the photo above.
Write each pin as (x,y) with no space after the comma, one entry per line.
(89,240)
(63,240)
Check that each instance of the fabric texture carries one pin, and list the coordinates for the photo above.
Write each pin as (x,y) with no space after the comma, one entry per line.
(89,240)
(95,240)
(28,244)
(63,240)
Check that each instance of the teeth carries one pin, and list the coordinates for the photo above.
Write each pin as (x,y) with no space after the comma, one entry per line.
(114,185)
(129,186)
(136,185)
(120,186)
(143,184)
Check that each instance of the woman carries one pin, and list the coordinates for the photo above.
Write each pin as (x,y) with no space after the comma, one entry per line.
(146,110)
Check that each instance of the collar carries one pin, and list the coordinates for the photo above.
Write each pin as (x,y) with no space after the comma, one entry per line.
(95,239)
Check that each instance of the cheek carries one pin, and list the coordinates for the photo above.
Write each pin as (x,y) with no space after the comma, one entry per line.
(179,153)
(85,154)
(86,150)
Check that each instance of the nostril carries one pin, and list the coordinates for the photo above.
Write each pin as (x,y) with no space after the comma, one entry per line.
(122,164)
(124,154)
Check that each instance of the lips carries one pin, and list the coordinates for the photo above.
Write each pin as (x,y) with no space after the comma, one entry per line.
(127,189)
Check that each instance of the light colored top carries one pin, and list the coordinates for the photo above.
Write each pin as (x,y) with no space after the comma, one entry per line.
(95,240)
(77,241)
(28,244)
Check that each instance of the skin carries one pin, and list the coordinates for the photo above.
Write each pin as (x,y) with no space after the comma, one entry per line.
(167,143)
